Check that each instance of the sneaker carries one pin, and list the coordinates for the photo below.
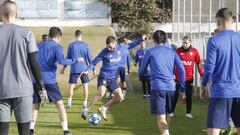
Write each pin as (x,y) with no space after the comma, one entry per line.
(189,115)
(67,133)
(148,96)
(68,106)
(102,110)
(171,115)
(31,132)
(84,113)
(144,96)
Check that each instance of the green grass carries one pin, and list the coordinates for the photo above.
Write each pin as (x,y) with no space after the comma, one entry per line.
(131,117)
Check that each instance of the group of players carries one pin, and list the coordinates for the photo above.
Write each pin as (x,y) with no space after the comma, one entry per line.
(170,72)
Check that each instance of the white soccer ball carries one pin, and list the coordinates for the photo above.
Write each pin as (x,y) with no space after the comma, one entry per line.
(94,119)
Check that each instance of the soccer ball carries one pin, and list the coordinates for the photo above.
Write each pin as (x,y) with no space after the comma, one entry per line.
(94,119)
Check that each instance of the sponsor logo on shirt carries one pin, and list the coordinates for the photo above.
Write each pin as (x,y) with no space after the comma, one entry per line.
(191,53)
(187,63)
(181,53)
(141,56)
(116,59)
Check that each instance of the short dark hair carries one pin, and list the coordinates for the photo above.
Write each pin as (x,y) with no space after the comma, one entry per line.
(225,14)
(54,32)
(110,39)
(187,38)
(8,8)
(160,36)
(44,37)
(78,33)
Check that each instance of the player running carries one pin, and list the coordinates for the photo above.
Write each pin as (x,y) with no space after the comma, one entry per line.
(78,49)
(189,56)
(50,53)
(162,61)
(145,79)
(107,78)
(223,68)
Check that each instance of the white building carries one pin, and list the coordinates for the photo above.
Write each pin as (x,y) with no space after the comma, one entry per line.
(62,13)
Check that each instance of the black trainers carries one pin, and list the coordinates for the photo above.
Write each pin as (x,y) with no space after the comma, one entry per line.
(67,133)
(31,132)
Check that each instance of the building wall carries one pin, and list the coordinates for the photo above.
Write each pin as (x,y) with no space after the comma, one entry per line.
(62,12)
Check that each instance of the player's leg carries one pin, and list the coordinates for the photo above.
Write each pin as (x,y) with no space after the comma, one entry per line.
(35,109)
(55,96)
(235,114)
(100,93)
(5,112)
(122,74)
(189,99)
(158,108)
(72,82)
(144,87)
(175,99)
(85,80)
(23,114)
(219,111)
(148,87)
(118,97)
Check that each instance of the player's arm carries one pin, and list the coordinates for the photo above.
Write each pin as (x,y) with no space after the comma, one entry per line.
(136,59)
(63,61)
(136,42)
(145,63)
(97,59)
(210,62)
(35,69)
(181,72)
(68,57)
(90,59)
(129,63)
(199,63)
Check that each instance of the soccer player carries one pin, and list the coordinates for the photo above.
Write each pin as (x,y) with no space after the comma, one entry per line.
(145,79)
(50,53)
(223,68)
(77,49)
(125,61)
(17,58)
(162,61)
(107,78)
(44,37)
(189,56)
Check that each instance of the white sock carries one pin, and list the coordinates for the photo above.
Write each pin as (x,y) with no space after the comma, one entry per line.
(69,101)
(32,124)
(64,125)
(85,103)
(124,92)
(166,132)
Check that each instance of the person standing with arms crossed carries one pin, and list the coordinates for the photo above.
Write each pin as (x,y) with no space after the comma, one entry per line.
(189,56)
(18,59)
(162,61)
(223,68)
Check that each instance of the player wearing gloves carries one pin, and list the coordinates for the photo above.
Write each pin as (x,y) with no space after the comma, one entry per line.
(18,49)
(50,53)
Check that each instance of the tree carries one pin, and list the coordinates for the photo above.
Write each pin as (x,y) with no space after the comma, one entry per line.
(137,15)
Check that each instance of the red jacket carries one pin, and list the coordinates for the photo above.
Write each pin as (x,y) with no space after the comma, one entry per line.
(189,58)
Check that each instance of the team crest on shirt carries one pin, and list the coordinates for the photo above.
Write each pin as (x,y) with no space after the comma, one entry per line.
(181,53)
(118,52)
(110,56)
(191,53)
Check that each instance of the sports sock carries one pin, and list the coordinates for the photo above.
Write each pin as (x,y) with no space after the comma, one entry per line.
(85,104)
(64,125)
(32,124)
(69,101)
(166,132)
(23,128)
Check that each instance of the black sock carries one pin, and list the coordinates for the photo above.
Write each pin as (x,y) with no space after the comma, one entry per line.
(4,127)
(23,128)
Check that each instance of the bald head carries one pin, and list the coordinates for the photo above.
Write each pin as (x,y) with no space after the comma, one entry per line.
(8,9)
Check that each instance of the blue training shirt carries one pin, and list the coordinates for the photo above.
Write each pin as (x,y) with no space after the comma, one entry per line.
(125,59)
(79,49)
(162,61)
(111,60)
(223,65)
(138,60)
(50,53)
